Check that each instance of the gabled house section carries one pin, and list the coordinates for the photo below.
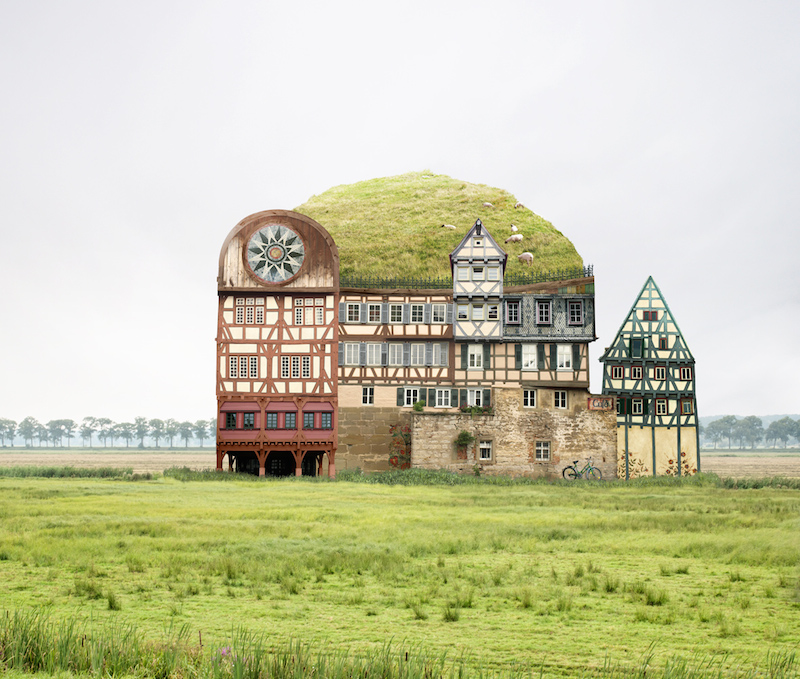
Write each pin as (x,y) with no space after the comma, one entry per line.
(478,265)
(650,371)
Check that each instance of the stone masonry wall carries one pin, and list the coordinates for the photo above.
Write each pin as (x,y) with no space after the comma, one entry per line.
(575,433)
(364,439)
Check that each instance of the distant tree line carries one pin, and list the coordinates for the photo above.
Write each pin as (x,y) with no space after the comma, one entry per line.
(107,432)
(748,431)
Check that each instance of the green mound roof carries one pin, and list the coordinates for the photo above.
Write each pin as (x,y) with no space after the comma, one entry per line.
(393,226)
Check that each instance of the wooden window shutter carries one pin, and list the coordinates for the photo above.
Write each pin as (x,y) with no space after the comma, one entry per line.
(385,313)
(443,351)
(553,356)
(384,354)
(428,353)
(406,313)
(487,355)
(423,395)
(518,356)
(342,313)
(362,353)
(464,357)
(406,353)
(454,398)
(363,316)
(487,398)
(576,356)
(646,406)
(341,353)
(540,363)
(462,393)
(401,396)
(448,316)
(426,313)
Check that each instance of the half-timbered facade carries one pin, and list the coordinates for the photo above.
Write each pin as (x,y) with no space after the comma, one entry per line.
(277,387)
(649,369)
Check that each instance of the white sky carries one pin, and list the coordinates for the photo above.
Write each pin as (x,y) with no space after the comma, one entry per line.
(662,138)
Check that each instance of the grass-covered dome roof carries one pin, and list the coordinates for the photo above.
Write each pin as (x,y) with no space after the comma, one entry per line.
(392,227)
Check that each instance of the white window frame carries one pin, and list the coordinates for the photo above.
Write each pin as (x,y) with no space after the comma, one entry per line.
(685,374)
(617,372)
(417,354)
(560,399)
(542,451)
(438,313)
(636,372)
(250,313)
(285,367)
(242,367)
(492,273)
(478,312)
(575,312)
(298,315)
(475,357)
(439,353)
(319,315)
(395,354)
(353,312)
(395,313)
(374,353)
(309,320)
(661,406)
(529,358)
(529,398)
(442,398)
(478,273)
(474,397)
(544,312)
(462,273)
(564,356)
(411,396)
(233,367)
(417,313)
(295,367)
(512,312)
(254,367)
(493,312)
(259,315)
(463,312)
(352,353)
(306,367)
(659,373)
(239,315)
(637,406)
(367,396)
(373,312)
(484,450)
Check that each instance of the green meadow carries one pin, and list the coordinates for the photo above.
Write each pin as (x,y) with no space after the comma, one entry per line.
(587,579)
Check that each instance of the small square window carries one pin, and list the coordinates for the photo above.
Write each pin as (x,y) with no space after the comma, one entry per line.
(249,420)
(462,273)
(309,301)
(512,312)
(485,450)
(662,344)
(560,399)
(395,313)
(230,420)
(493,312)
(576,312)
(477,273)
(542,451)
(298,301)
(373,313)
(290,421)
(637,406)
(308,420)
(493,273)
(438,312)
(686,374)
(529,398)
(474,397)
(617,372)
(353,313)
(660,373)
(543,315)
(417,313)
(443,398)
(367,396)
(686,406)
(564,356)
(412,396)
(636,372)
(529,357)
(475,356)
(477,312)
(661,406)
(326,420)
(463,312)
(272,420)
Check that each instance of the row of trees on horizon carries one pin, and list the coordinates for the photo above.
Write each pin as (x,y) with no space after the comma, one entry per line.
(749,431)
(106,431)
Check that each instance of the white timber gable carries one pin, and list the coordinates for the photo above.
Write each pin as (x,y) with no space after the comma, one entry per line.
(478,265)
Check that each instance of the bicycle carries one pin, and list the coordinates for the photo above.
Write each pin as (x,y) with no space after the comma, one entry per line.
(589,472)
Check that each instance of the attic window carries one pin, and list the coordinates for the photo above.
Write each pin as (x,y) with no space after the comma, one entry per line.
(477,242)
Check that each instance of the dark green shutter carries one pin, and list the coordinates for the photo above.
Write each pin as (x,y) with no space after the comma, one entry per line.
(646,406)
(423,395)
(576,356)
(462,397)
(464,356)
(487,398)
(540,364)
(454,398)
(518,356)
(401,396)
(487,356)
(553,357)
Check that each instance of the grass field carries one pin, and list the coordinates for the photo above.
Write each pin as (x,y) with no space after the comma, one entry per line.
(561,579)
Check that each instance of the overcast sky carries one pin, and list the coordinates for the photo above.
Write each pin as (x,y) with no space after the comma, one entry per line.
(663,139)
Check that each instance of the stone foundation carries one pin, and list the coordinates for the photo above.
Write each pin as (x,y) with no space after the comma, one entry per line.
(364,439)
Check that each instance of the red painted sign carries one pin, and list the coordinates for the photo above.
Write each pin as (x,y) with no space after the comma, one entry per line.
(601,403)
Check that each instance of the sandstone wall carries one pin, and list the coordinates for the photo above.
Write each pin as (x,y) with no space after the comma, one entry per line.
(575,433)
(364,439)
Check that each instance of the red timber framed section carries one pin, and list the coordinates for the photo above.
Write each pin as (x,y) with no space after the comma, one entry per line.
(277,347)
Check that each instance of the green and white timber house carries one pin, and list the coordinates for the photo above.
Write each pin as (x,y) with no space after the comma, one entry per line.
(650,372)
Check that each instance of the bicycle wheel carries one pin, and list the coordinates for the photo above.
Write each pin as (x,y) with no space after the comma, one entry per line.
(594,474)
(570,473)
